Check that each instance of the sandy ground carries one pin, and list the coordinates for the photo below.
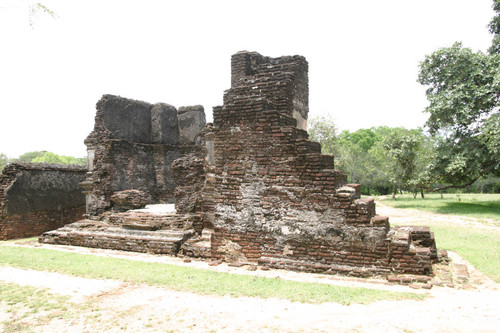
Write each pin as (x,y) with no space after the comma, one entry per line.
(115,306)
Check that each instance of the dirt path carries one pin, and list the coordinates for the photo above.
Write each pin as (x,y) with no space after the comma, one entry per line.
(406,216)
(107,305)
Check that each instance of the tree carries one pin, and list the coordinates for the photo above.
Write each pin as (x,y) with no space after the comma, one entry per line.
(401,146)
(464,95)
(381,158)
(4,160)
(354,153)
(494,28)
(29,156)
(364,138)
(49,157)
(360,159)
(35,8)
(324,131)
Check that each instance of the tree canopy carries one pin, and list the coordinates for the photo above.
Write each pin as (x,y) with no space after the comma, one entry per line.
(30,156)
(49,157)
(381,158)
(494,28)
(42,157)
(464,95)
(4,160)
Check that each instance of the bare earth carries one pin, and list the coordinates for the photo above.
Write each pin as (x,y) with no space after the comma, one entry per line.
(124,307)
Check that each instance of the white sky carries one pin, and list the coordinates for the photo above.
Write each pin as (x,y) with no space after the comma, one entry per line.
(363,58)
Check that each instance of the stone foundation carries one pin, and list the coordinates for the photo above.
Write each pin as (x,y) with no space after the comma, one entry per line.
(136,231)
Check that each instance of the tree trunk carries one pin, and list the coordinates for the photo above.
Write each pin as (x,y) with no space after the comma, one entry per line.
(394,191)
(422,193)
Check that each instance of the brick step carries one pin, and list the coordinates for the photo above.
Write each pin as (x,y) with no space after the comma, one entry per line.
(145,221)
(408,278)
(199,246)
(317,267)
(308,147)
(100,235)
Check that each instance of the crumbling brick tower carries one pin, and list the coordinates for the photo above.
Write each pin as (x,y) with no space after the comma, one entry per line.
(278,201)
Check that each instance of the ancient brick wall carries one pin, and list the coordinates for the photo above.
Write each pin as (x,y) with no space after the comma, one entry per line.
(278,200)
(35,198)
(120,165)
(284,81)
(133,145)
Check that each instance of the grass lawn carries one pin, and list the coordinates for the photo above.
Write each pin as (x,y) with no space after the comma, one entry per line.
(189,279)
(480,246)
(481,206)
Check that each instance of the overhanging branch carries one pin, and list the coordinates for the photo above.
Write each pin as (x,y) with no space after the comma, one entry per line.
(453,186)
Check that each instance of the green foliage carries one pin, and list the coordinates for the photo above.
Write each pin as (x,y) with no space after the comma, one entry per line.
(402,146)
(189,279)
(377,157)
(488,184)
(29,156)
(324,131)
(494,28)
(4,160)
(49,157)
(463,88)
(363,138)
(464,95)
(409,156)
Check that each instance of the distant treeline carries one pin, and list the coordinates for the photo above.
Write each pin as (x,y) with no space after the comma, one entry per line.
(391,159)
(42,157)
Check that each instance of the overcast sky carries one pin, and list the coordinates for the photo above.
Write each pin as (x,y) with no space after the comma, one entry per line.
(363,58)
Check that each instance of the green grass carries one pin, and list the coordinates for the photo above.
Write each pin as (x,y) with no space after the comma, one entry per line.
(189,279)
(480,246)
(481,206)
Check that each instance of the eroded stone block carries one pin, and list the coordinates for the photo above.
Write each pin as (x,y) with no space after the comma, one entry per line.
(191,123)
(164,124)
(126,118)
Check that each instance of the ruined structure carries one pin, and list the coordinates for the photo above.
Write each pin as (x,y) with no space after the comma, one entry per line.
(249,189)
(35,198)
(131,151)
(133,145)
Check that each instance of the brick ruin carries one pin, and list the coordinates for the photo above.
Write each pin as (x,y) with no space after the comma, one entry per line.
(249,188)
(133,145)
(132,152)
(35,198)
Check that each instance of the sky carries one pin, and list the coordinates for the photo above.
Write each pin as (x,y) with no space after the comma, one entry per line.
(363,58)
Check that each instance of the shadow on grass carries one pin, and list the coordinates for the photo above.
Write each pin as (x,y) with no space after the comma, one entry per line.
(464,208)
(467,206)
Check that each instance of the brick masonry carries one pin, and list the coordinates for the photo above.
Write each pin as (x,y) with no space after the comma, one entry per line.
(279,201)
(250,188)
(35,198)
(132,146)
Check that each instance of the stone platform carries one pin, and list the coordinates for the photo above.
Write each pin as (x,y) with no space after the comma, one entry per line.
(138,231)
